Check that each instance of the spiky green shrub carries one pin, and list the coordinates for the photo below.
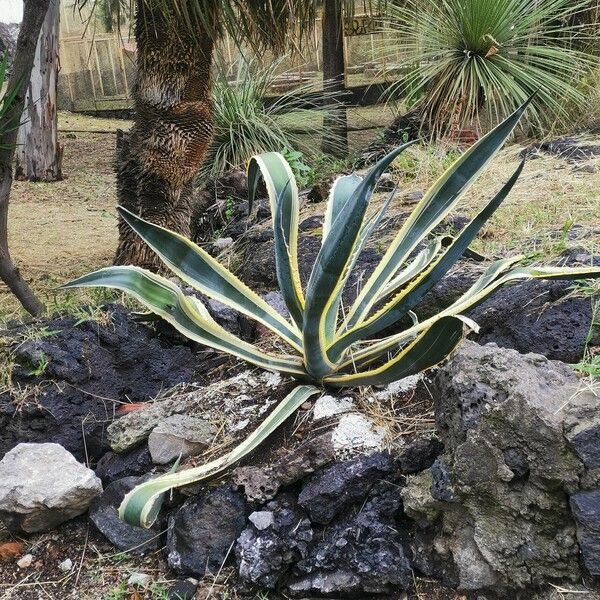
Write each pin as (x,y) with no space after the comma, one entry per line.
(246,123)
(326,345)
(471,58)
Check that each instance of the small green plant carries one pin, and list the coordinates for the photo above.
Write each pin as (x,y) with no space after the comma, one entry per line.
(327,343)
(159,592)
(302,172)
(229,208)
(118,593)
(39,368)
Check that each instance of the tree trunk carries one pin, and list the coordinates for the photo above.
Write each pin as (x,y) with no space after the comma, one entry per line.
(158,159)
(39,155)
(33,16)
(334,78)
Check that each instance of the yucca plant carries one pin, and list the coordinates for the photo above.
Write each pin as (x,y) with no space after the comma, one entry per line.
(327,346)
(245,123)
(467,59)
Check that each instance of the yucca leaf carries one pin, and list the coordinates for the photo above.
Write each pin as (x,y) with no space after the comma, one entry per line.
(408,298)
(141,506)
(285,209)
(204,273)
(187,314)
(428,349)
(331,266)
(441,198)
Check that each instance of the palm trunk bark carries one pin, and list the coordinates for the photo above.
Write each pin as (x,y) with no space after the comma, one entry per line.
(39,155)
(34,12)
(158,159)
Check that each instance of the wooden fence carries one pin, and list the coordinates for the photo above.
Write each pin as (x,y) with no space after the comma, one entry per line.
(98,68)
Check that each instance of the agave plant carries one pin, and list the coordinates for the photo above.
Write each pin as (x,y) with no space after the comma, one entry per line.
(327,346)
(472,58)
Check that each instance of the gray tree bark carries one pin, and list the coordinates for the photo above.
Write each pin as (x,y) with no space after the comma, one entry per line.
(39,155)
(33,16)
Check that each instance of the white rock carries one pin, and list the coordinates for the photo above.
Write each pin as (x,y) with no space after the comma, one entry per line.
(140,580)
(42,485)
(25,561)
(261,519)
(328,406)
(222,243)
(401,386)
(356,433)
(179,435)
(66,565)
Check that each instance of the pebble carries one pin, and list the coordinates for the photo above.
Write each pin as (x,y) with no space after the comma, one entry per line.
(141,580)
(25,561)
(66,565)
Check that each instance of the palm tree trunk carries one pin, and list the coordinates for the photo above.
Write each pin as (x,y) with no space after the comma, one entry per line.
(157,161)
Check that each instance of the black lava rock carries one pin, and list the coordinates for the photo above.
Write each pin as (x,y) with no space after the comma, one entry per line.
(112,466)
(278,536)
(359,555)
(87,365)
(104,515)
(202,532)
(184,589)
(329,492)
(585,507)
(419,455)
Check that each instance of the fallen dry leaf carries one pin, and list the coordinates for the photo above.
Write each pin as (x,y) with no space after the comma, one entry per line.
(11,550)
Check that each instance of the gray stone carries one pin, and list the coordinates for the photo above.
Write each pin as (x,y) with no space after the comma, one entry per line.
(112,466)
(223,243)
(105,516)
(356,434)
(179,435)
(495,502)
(219,400)
(202,533)
(413,197)
(42,485)
(261,519)
(332,490)
(184,589)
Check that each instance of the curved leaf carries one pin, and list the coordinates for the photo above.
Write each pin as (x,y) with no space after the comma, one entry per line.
(331,268)
(204,273)
(285,209)
(187,314)
(141,506)
(441,198)
(429,348)
(408,298)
